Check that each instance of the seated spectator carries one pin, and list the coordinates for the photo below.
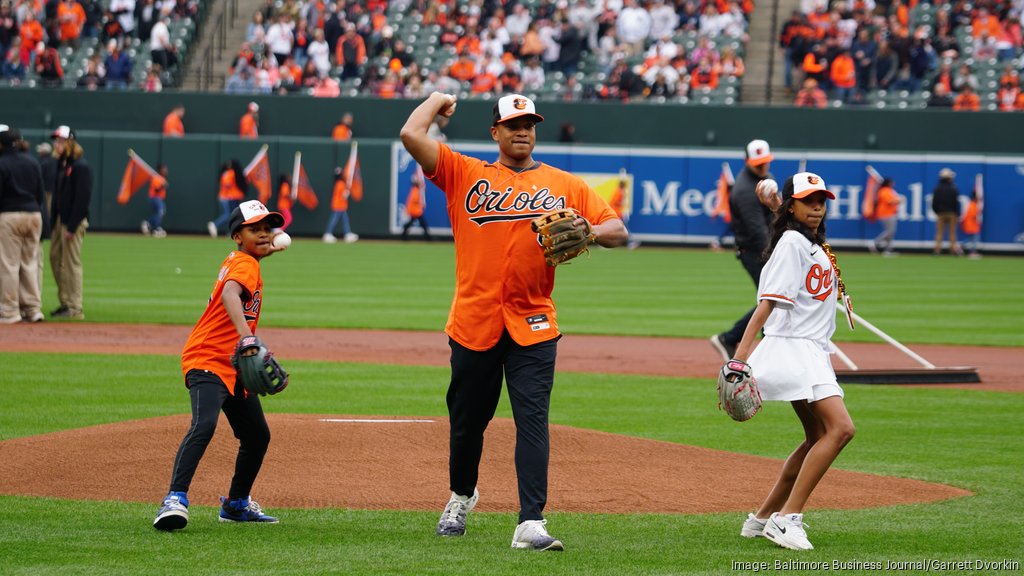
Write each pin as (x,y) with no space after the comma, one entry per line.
(1009,90)
(415,89)
(704,75)
(118,65)
(326,87)
(660,88)
(241,81)
(985,46)
(663,67)
(310,75)
(810,96)
(964,77)
(944,76)
(967,100)
(940,97)
(731,65)
(449,35)
(704,49)
(464,68)
(445,83)
(48,66)
(94,76)
(152,82)
(508,82)
(388,87)
(532,44)
(945,44)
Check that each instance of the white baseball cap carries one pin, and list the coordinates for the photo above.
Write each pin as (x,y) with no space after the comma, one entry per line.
(4,127)
(514,106)
(62,132)
(803,184)
(254,107)
(758,153)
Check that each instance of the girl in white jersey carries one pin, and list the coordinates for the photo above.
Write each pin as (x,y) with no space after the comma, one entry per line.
(796,308)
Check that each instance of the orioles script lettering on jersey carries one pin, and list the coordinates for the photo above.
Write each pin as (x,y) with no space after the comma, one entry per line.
(482,198)
(819,279)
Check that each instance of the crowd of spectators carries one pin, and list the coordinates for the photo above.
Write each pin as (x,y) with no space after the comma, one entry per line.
(856,51)
(42,39)
(564,49)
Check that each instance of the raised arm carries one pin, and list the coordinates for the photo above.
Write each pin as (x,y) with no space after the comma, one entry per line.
(414,133)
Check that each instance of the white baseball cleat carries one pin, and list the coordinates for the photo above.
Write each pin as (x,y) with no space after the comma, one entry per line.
(788,531)
(532,535)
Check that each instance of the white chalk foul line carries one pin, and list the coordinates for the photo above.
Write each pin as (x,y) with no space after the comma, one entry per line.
(371,421)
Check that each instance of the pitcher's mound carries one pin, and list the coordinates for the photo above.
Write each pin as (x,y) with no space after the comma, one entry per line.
(399,463)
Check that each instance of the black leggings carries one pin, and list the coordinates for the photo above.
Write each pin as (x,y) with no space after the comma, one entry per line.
(472,399)
(245,415)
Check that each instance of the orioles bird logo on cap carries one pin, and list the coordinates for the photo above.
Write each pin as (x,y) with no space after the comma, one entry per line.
(813,180)
(519,103)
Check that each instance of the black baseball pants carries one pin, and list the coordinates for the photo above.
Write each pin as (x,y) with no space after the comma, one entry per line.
(245,415)
(473,394)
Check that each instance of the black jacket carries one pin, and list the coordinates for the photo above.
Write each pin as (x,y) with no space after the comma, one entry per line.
(946,197)
(21,183)
(751,220)
(72,192)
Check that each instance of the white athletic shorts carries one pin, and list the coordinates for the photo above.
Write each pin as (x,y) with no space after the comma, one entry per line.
(790,369)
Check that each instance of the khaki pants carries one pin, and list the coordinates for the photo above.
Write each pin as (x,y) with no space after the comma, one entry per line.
(946,221)
(19,248)
(66,263)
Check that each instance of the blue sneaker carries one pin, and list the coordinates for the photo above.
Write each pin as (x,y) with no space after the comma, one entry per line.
(243,510)
(173,514)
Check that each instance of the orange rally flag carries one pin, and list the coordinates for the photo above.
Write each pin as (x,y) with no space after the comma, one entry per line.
(136,175)
(353,175)
(257,173)
(301,188)
(871,193)
(725,182)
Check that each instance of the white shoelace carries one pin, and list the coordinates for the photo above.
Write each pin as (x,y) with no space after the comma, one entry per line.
(455,511)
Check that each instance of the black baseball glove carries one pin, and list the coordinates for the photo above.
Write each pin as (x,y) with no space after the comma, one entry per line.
(257,369)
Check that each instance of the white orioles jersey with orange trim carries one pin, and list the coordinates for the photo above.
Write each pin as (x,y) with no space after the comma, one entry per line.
(799,277)
(501,278)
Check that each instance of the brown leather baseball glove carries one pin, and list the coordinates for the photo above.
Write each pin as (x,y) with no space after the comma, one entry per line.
(561,237)
(737,391)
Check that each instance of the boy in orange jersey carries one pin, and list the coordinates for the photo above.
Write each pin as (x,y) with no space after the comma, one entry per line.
(158,202)
(229,194)
(414,206)
(339,211)
(233,312)
(502,320)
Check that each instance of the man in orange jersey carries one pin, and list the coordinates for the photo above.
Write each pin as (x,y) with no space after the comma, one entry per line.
(229,194)
(248,127)
(887,208)
(343,129)
(233,312)
(414,206)
(339,211)
(173,125)
(502,320)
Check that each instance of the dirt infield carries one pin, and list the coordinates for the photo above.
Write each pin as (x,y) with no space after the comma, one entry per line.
(332,460)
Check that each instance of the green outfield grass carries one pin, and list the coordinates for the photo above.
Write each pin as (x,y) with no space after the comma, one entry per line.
(969,439)
(649,291)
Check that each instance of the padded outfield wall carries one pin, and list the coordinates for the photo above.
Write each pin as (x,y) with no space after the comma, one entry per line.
(664,149)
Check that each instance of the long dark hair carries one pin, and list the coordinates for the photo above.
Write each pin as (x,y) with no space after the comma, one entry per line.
(784,220)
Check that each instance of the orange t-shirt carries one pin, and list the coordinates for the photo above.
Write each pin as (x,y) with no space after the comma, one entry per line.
(173,126)
(341,133)
(212,341)
(158,187)
(888,203)
(414,202)
(70,28)
(229,189)
(247,127)
(339,198)
(970,223)
(501,279)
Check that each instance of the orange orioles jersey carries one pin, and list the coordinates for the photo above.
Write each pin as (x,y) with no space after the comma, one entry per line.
(501,279)
(213,339)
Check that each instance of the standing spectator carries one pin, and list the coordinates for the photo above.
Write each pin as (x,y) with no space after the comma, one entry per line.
(8,27)
(493,288)
(571,45)
(971,225)
(124,11)
(119,66)
(964,77)
(887,65)
(887,208)
(816,65)
(173,122)
(69,219)
(751,222)
(705,75)
(946,206)
(339,210)
(157,203)
(967,100)
(13,67)
(351,53)
(343,129)
(319,52)
(810,96)
(792,41)
(843,74)
(48,66)
(634,26)
(255,32)
(147,14)
(864,51)
(152,82)
(161,49)
(414,206)
(21,222)
(248,126)
(533,75)
(242,81)
(731,64)
(280,38)
(71,19)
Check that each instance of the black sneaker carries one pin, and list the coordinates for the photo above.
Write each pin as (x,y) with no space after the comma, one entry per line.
(724,348)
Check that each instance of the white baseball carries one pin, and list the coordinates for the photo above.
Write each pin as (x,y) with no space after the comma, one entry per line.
(766,189)
(282,240)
